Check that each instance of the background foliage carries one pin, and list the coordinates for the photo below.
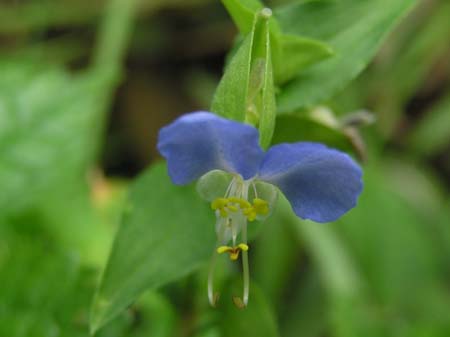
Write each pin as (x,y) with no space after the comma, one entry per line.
(84,88)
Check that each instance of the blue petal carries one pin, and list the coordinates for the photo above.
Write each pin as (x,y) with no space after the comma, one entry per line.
(199,142)
(320,183)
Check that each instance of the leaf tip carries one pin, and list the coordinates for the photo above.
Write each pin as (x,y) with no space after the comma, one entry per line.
(98,317)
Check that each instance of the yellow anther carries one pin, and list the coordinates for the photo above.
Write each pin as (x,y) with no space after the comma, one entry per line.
(223,213)
(232,208)
(219,203)
(243,247)
(260,206)
(251,216)
(249,213)
(223,249)
(234,254)
(241,202)
(233,251)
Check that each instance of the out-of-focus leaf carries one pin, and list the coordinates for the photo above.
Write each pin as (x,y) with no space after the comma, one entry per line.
(295,128)
(348,312)
(32,15)
(51,121)
(167,232)
(298,53)
(255,320)
(414,58)
(339,273)
(47,130)
(432,133)
(392,242)
(76,225)
(396,254)
(353,28)
(416,185)
(444,233)
(46,291)
(411,62)
(305,314)
(275,257)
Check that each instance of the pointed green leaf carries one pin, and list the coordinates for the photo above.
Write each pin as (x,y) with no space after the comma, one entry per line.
(246,91)
(243,13)
(230,98)
(268,108)
(299,53)
(167,232)
(353,28)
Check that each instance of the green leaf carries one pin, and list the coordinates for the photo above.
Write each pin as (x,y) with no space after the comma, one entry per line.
(272,268)
(408,247)
(433,132)
(354,29)
(268,106)
(295,128)
(44,115)
(255,320)
(243,13)
(307,315)
(246,91)
(298,53)
(230,98)
(167,232)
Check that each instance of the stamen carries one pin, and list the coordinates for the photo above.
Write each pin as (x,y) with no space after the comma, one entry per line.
(229,187)
(212,297)
(223,249)
(238,302)
(245,267)
(254,190)
(233,251)
(219,203)
(243,247)
(260,206)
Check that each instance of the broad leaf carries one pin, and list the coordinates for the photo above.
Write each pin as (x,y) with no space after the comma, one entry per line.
(353,28)
(167,232)
(49,123)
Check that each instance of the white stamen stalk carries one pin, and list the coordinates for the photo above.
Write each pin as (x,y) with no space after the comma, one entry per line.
(245,267)
(211,296)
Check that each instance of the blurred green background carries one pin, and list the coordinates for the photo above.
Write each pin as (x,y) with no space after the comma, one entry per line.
(85,87)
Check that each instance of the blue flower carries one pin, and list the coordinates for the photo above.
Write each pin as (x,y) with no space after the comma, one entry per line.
(320,183)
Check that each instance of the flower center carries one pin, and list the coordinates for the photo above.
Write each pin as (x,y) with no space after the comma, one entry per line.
(233,210)
(225,206)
